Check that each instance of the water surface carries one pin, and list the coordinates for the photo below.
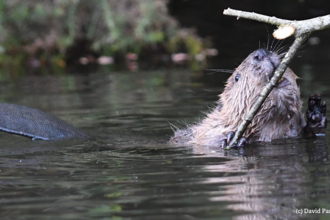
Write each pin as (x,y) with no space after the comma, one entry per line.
(130,172)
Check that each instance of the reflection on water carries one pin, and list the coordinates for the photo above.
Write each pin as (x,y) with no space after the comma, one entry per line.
(130,172)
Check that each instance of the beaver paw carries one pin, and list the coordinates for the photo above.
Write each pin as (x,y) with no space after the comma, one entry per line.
(225,142)
(316,118)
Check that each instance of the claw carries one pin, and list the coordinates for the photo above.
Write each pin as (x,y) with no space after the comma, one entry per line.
(311,102)
(223,143)
(323,108)
(230,136)
(242,142)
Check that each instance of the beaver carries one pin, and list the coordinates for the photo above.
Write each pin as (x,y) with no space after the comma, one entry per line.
(279,117)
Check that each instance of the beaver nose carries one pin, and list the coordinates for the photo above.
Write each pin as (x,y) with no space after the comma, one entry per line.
(260,54)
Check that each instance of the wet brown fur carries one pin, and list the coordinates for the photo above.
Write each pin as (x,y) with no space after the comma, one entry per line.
(279,117)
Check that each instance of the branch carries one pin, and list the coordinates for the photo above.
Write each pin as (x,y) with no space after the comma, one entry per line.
(304,26)
(302,30)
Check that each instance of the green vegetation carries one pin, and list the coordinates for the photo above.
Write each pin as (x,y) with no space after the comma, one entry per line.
(41,31)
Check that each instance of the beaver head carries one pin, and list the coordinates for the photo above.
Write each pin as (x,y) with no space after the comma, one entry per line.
(243,88)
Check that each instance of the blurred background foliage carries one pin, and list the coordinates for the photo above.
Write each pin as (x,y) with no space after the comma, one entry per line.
(62,32)
(49,36)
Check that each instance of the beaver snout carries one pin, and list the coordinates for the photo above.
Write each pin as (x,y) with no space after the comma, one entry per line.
(264,55)
(266,61)
(259,55)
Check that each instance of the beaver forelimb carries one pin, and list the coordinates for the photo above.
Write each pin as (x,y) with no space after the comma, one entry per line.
(315,126)
(316,117)
(225,142)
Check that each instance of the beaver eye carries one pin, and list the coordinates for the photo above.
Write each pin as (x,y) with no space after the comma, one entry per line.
(236,78)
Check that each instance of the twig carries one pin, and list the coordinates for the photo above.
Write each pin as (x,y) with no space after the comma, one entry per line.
(302,29)
(304,26)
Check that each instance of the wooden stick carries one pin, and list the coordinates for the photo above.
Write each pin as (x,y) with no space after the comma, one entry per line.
(304,26)
(302,30)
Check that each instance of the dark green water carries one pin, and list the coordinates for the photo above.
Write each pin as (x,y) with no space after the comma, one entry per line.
(130,172)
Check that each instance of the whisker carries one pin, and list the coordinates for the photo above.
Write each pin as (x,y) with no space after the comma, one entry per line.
(281,55)
(271,46)
(219,71)
(267,47)
(173,127)
(281,49)
(275,46)
(300,53)
(279,45)
(306,43)
(267,41)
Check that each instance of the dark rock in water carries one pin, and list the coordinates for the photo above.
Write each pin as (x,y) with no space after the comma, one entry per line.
(36,124)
